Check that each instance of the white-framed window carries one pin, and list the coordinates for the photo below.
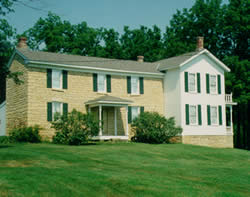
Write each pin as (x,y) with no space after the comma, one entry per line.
(193,114)
(135,112)
(192,82)
(134,85)
(101,83)
(213,84)
(57,108)
(57,79)
(214,115)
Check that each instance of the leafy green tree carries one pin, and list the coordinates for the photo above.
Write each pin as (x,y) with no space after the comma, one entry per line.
(6,48)
(205,18)
(143,41)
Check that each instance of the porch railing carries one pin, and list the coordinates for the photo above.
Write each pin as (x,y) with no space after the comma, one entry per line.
(229,98)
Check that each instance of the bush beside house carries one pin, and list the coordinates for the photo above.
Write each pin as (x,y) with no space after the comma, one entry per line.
(25,134)
(151,127)
(75,128)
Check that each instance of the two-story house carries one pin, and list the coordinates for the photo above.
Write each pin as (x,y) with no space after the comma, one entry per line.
(189,87)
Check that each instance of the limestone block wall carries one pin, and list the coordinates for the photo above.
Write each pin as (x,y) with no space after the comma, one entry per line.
(80,90)
(219,141)
(17,96)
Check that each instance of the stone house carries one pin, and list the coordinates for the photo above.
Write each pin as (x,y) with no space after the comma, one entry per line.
(189,87)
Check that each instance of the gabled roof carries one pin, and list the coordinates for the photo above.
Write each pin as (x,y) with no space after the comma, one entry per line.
(41,58)
(112,65)
(179,61)
(109,100)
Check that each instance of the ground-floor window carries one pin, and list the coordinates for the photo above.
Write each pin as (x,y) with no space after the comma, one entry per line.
(56,109)
(193,115)
(214,115)
(228,117)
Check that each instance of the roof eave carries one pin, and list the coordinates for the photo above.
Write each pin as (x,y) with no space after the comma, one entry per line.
(35,63)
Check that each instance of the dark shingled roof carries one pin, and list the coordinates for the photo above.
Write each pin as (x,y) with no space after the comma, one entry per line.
(109,99)
(95,62)
(174,62)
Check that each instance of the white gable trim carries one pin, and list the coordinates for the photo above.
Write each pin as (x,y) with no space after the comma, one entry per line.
(220,63)
(13,55)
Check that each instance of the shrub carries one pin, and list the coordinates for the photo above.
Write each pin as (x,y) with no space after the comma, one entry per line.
(75,129)
(25,134)
(4,140)
(151,127)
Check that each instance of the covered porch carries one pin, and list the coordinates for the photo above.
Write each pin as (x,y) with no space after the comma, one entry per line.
(229,112)
(112,113)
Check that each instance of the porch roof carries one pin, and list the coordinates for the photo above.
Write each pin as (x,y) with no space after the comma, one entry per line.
(110,100)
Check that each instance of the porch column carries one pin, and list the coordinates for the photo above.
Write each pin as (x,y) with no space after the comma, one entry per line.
(126,120)
(89,109)
(100,120)
(115,118)
(231,118)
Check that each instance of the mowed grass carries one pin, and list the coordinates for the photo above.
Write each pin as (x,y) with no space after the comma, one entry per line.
(123,169)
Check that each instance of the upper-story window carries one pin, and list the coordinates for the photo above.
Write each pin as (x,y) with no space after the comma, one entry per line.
(192,82)
(135,85)
(57,79)
(213,83)
(101,83)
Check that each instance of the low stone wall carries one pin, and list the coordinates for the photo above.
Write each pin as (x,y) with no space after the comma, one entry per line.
(219,141)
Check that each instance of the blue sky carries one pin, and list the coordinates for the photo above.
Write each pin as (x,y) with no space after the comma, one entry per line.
(99,13)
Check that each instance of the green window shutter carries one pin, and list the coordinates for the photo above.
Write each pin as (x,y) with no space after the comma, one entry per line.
(142,109)
(49,78)
(208,115)
(65,79)
(141,85)
(219,84)
(208,84)
(129,84)
(198,83)
(65,109)
(129,114)
(95,82)
(187,114)
(199,115)
(220,115)
(108,83)
(186,81)
(49,111)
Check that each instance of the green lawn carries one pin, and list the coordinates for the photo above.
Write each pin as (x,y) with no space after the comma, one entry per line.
(123,169)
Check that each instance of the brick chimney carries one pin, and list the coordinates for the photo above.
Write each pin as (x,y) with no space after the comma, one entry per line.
(200,43)
(140,58)
(22,43)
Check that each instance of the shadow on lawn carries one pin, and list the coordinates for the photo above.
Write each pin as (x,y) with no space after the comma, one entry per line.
(5,146)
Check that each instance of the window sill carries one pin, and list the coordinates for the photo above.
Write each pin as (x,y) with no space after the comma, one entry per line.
(134,95)
(194,92)
(194,125)
(102,93)
(58,90)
